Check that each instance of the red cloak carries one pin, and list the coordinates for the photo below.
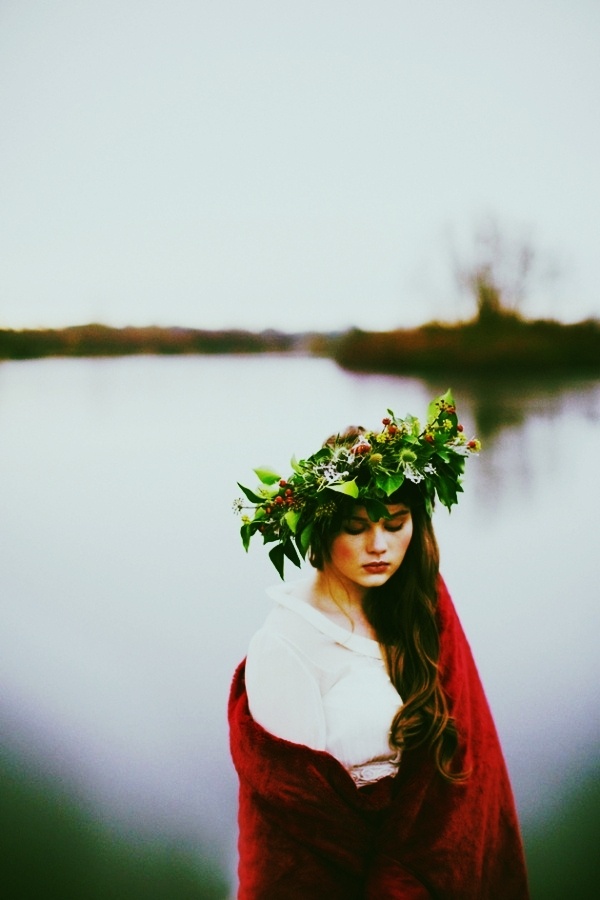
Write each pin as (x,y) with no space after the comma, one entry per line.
(306,831)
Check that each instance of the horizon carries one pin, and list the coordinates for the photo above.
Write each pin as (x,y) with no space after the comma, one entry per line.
(454,323)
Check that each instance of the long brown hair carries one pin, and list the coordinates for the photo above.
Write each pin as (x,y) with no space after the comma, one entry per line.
(402,613)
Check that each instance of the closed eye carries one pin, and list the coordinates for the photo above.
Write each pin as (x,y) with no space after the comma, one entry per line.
(359,529)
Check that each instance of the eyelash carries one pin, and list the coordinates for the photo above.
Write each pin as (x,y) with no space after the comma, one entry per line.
(391,528)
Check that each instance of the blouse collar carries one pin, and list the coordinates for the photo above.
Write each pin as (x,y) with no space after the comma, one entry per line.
(290,596)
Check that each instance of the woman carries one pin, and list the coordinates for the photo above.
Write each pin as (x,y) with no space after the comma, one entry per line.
(368,760)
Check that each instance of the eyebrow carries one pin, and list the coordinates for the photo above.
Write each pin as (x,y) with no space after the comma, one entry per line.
(401,512)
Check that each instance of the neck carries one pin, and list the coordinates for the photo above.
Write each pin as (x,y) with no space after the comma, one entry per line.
(339,592)
(341,601)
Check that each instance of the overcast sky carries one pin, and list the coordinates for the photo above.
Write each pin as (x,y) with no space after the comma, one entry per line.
(297,165)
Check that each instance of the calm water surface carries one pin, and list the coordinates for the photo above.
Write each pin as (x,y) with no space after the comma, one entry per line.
(127,600)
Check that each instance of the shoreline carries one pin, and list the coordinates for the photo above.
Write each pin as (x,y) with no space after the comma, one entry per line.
(504,344)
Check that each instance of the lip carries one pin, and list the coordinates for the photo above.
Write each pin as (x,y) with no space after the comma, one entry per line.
(376,567)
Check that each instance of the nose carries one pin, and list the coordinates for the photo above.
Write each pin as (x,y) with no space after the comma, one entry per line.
(377,542)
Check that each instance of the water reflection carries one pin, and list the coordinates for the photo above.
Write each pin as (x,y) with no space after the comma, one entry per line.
(497,404)
(127,601)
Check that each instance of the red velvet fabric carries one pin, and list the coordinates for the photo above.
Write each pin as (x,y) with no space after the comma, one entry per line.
(306,830)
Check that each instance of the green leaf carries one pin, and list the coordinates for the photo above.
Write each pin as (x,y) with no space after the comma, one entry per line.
(321,455)
(447,489)
(246,534)
(267,476)
(433,411)
(376,510)
(252,497)
(290,552)
(349,488)
(277,557)
(295,466)
(389,483)
(271,490)
(448,398)
(303,539)
(291,519)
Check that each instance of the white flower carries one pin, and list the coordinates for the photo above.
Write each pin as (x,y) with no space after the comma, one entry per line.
(460,449)
(412,474)
(328,474)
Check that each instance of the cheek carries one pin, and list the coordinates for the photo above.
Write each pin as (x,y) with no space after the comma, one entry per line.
(343,551)
(406,535)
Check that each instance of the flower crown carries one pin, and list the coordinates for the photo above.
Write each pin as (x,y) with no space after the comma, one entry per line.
(367,467)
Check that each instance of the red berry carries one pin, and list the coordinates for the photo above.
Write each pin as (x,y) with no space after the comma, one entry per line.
(282,483)
(459,427)
(268,510)
(279,500)
(386,421)
(289,501)
(289,492)
(393,429)
(429,438)
(472,445)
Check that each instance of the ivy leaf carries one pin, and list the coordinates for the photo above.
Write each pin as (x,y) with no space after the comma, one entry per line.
(349,488)
(389,482)
(267,476)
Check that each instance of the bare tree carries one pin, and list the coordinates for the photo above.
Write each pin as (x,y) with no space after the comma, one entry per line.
(497,274)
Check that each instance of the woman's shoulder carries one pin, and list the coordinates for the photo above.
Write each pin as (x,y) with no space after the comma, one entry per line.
(290,625)
(296,626)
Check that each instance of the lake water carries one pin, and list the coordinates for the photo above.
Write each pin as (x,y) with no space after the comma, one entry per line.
(127,600)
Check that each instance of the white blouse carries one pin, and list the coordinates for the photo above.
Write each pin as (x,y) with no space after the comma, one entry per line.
(312,682)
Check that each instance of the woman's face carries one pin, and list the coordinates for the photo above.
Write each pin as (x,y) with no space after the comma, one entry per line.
(368,553)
